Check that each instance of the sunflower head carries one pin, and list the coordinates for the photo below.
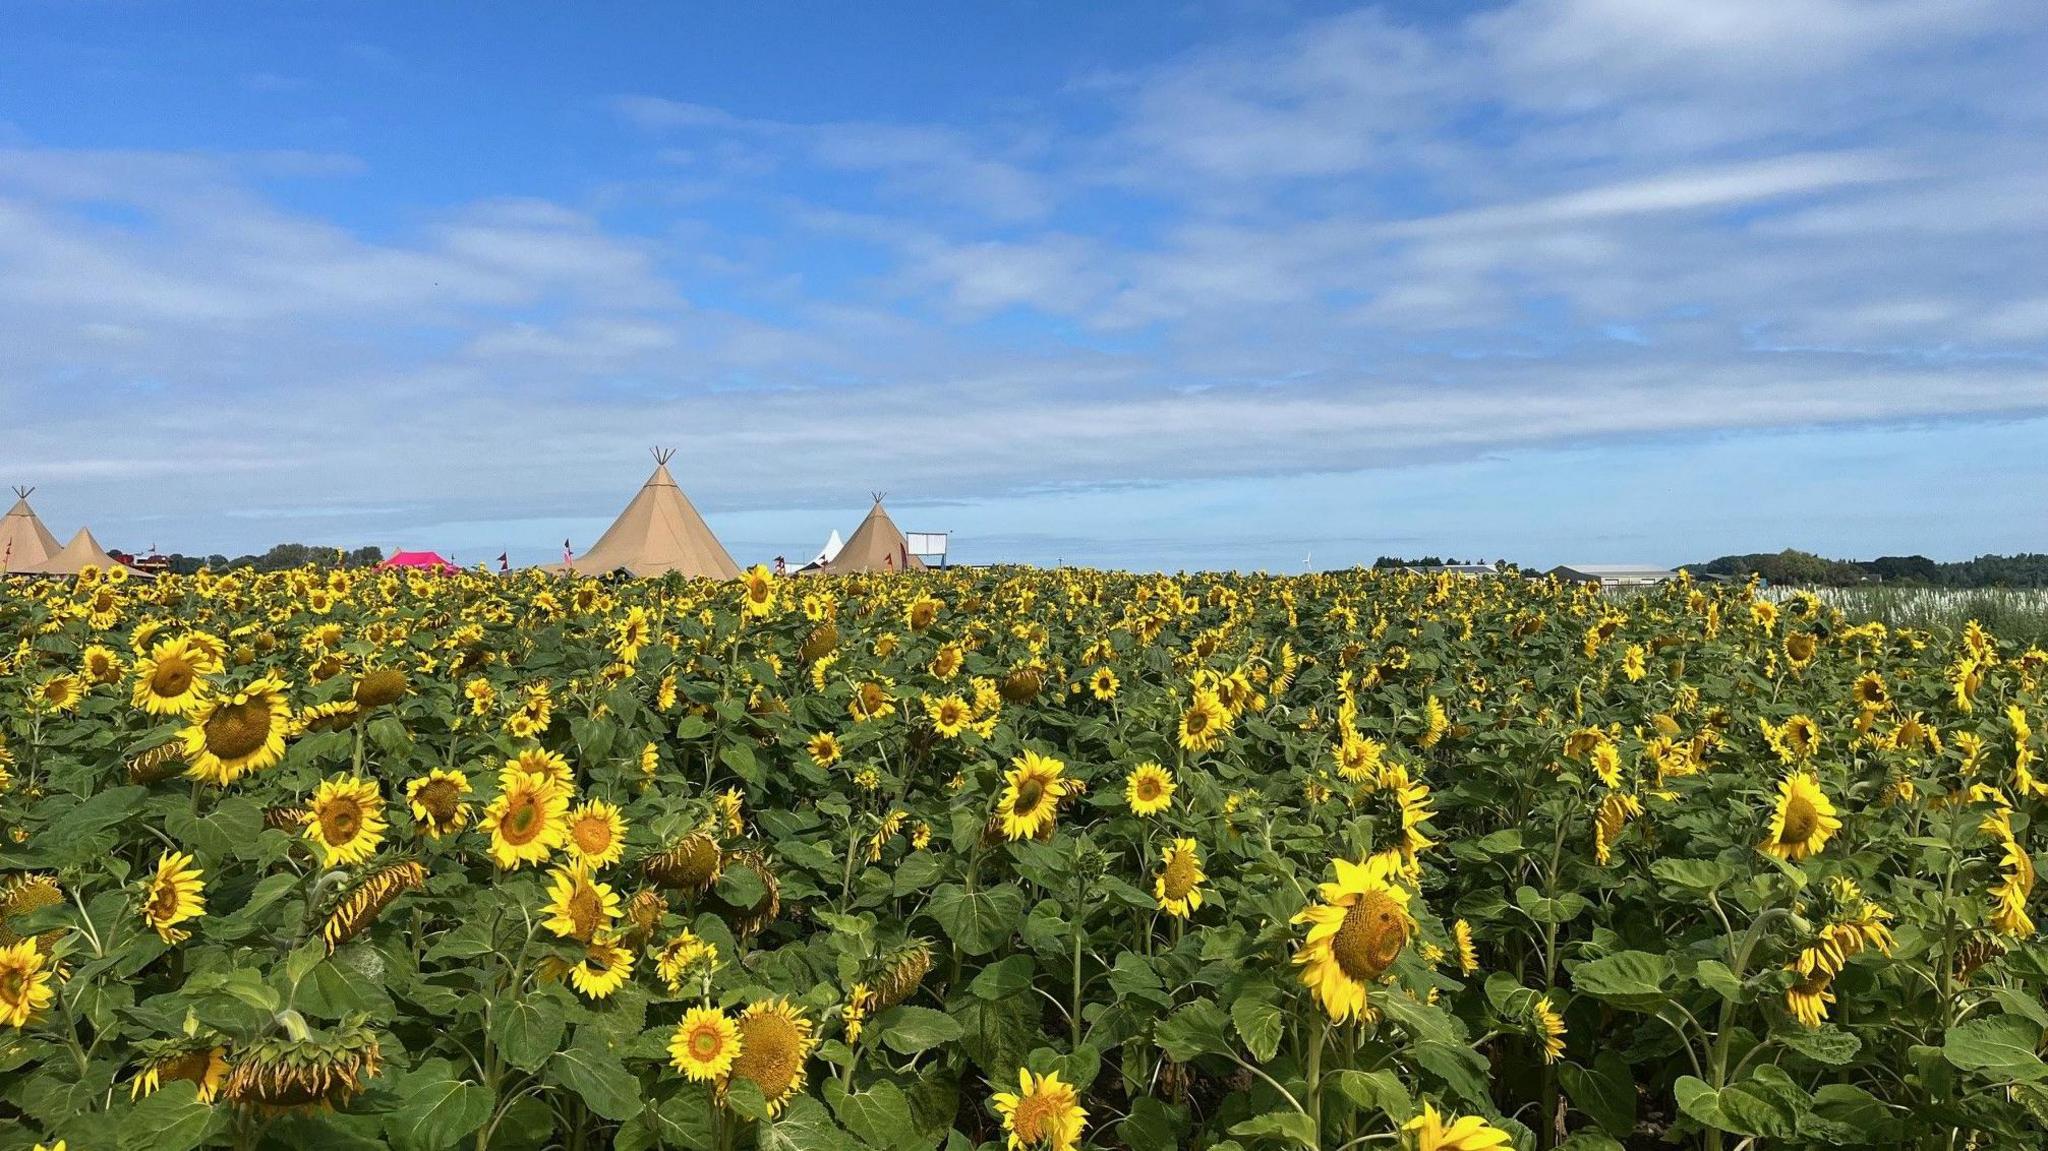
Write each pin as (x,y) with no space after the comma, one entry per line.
(774,1041)
(692,863)
(380,686)
(1042,1112)
(705,1044)
(200,1059)
(304,1071)
(902,971)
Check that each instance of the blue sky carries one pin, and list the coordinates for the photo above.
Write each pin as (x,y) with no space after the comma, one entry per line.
(1205,284)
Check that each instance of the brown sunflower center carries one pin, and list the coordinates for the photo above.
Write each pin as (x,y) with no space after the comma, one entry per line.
(706,1042)
(1802,819)
(172,677)
(1179,878)
(593,835)
(1036,1117)
(163,902)
(13,983)
(1198,721)
(1371,937)
(586,911)
(340,820)
(522,820)
(439,797)
(236,730)
(1148,788)
(771,1053)
(1030,793)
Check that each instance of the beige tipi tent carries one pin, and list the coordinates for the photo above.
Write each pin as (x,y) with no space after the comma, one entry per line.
(659,532)
(25,544)
(74,556)
(877,546)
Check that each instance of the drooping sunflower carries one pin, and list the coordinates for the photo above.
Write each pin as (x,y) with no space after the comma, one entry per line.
(1355,934)
(24,982)
(604,968)
(345,820)
(1436,723)
(1032,790)
(436,799)
(775,1040)
(527,821)
(597,833)
(232,735)
(578,906)
(949,715)
(1178,886)
(705,1044)
(1434,1131)
(176,893)
(1203,723)
(1043,1112)
(200,1059)
(692,863)
(23,895)
(380,686)
(303,1071)
(681,955)
(366,899)
(1548,1027)
(1149,790)
(1808,997)
(1803,820)
(171,679)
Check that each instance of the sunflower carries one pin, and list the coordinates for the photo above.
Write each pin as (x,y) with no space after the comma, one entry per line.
(871,701)
(1358,758)
(1870,692)
(1797,739)
(1803,819)
(230,736)
(597,833)
(175,894)
(1102,684)
(1032,791)
(380,686)
(101,664)
(1178,886)
(1808,997)
(436,801)
(692,863)
(1432,1131)
(172,678)
(367,898)
(949,715)
(757,591)
(2015,885)
(1632,663)
(201,1060)
(604,968)
(859,1001)
(1436,723)
(1042,1112)
(825,749)
(528,820)
(774,1040)
(1203,723)
(680,955)
(579,907)
(1468,952)
(60,692)
(345,820)
(705,1044)
(1800,647)
(1548,1027)
(22,895)
(1149,790)
(24,982)
(544,764)
(633,634)
(1354,936)
(301,1071)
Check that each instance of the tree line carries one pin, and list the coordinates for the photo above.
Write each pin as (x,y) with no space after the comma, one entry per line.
(281,557)
(2027,569)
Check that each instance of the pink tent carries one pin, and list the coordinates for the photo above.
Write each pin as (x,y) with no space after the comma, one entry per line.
(430,561)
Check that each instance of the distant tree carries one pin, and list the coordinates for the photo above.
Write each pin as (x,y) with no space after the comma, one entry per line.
(1805,568)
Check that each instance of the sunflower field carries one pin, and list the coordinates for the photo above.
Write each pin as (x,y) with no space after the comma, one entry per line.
(1009,859)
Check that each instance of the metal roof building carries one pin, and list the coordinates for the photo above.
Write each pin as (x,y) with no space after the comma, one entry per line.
(1613,575)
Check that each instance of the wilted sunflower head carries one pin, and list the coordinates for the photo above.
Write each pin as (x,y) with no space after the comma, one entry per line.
(200,1059)
(23,895)
(691,863)
(380,686)
(304,1071)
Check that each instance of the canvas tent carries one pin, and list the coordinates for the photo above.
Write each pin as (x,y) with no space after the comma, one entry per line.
(24,542)
(825,555)
(424,561)
(74,556)
(659,532)
(877,546)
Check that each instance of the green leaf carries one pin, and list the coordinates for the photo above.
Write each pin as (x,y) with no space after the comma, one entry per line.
(1259,1021)
(1010,975)
(172,1119)
(438,1112)
(1714,975)
(1376,1091)
(1590,1141)
(1693,874)
(596,1075)
(976,921)
(909,1030)
(1291,1125)
(1198,1029)
(1629,979)
(1460,1067)
(2001,1046)
(804,1126)
(740,758)
(527,1030)
(1829,1045)
(1698,1101)
(1844,1114)
(879,1116)
(1606,1091)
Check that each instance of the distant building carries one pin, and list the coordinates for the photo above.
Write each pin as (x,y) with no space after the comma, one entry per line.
(1470,571)
(1613,575)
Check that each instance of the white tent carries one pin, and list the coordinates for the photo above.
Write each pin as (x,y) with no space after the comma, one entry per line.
(826,554)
